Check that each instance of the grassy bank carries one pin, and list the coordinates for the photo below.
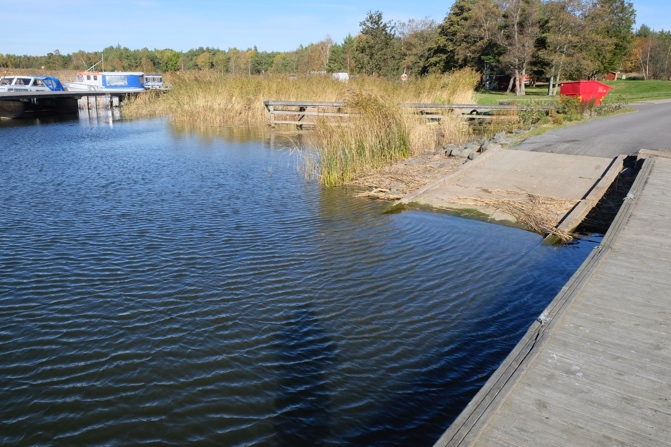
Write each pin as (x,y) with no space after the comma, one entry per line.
(623,91)
(635,90)
(380,134)
(209,99)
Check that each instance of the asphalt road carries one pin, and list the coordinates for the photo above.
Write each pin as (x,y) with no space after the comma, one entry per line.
(647,128)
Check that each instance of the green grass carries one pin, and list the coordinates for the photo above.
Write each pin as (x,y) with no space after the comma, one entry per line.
(624,91)
(534,95)
(633,90)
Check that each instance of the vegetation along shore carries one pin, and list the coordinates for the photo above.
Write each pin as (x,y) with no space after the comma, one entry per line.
(485,51)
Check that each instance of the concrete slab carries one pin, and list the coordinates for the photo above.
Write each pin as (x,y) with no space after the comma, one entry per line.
(595,368)
(493,185)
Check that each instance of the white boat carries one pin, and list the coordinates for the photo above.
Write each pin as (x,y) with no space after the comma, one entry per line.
(113,81)
(153,81)
(32,83)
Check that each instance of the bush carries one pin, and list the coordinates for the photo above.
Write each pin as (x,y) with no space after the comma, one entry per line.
(530,116)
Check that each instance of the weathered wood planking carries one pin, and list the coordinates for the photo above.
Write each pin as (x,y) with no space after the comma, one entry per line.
(597,372)
(300,110)
(582,208)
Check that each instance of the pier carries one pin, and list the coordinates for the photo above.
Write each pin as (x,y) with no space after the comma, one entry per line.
(17,104)
(595,368)
(305,113)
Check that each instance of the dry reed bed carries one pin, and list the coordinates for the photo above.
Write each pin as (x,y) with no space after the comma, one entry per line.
(210,99)
(383,134)
(380,135)
(539,214)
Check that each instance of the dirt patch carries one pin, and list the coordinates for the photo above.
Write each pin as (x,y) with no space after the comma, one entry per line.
(396,181)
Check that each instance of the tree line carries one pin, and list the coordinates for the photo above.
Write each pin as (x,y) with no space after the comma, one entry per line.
(515,40)
(651,54)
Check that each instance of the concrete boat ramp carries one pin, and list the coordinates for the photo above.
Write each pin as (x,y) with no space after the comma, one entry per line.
(595,368)
(506,186)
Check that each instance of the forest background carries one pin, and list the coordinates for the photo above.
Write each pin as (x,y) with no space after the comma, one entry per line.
(524,39)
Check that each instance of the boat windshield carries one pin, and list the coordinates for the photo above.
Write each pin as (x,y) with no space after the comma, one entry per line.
(52,84)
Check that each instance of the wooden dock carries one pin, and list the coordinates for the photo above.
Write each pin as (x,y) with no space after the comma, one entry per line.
(306,113)
(595,369)
(16,104)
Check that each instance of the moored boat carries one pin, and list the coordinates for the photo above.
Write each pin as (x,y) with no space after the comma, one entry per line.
(30,83)
(119,81)
(153,81)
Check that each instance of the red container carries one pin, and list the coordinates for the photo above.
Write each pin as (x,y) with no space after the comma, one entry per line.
(585,91)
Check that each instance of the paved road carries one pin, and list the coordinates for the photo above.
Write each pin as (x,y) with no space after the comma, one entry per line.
(647,128)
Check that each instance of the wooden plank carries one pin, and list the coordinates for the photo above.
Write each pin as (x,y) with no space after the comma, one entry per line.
(277,103)
(428,111)
(600,373)
(571,221)
(307,113)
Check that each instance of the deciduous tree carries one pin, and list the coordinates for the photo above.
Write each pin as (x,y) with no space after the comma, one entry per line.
(517,33)
(417,38)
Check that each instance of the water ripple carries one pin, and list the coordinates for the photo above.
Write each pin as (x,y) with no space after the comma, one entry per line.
(159,290)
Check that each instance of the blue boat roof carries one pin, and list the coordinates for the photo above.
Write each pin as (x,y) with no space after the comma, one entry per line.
(53,82)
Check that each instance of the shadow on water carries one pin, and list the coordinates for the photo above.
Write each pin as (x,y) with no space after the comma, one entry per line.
(468,356)
(306,355)
(37,120)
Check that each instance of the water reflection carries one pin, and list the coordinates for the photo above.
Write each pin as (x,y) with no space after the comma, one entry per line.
(37,120)
(230,134)
(188,290)
(303,404)
(104,116)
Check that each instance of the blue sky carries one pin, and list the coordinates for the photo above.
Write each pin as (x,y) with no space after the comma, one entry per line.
(39,27)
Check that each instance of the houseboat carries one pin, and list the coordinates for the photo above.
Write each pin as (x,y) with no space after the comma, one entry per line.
(32,83)
(153,81)
(115,81)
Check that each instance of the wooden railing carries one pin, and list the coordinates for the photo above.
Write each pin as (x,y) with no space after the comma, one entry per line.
(305,113)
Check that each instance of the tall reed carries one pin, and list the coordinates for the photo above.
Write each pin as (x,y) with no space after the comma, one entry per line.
(376,135)
(211,99)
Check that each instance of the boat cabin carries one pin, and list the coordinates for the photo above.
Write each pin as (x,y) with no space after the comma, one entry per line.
(153,81)
(101,80)
(30,84)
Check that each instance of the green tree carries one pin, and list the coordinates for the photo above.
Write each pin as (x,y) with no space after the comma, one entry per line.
(205,61)
(466,37)
(377,51)
(562,30)
(341,59)
(220,61)
(417,37)
(517,33)
(609,34)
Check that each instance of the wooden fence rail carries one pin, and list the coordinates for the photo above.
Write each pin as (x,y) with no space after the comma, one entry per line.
(305,113)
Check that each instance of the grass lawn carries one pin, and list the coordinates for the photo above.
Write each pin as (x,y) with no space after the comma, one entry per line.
(624,91)
(535,95)
(634,90)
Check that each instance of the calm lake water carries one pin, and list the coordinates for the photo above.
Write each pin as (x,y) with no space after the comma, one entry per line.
(161,288)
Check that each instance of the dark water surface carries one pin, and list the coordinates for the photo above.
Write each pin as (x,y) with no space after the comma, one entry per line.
(167,289)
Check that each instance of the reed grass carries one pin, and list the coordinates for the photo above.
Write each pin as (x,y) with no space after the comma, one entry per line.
(378,133)
(211,99)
